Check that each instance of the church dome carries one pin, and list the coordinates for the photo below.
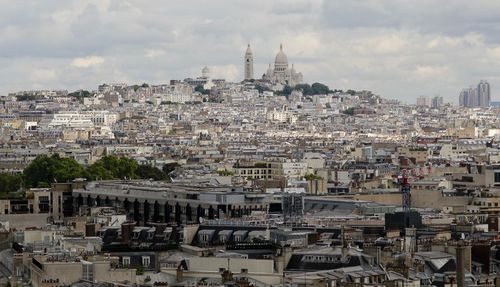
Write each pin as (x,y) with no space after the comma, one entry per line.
(281,57)
(205,72)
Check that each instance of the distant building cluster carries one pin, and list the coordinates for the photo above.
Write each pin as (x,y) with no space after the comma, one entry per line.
(434,103)
(479,96)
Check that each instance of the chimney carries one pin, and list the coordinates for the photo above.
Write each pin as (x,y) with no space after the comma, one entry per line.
(127,230)
(460,264)
(179,274)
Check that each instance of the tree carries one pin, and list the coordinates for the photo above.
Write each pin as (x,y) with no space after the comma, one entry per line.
(147,171)
(113,167)
(311,176)
(224,172)
(305,88)
(287,90)
(45,170)
(139,270)
(349,111)
(80,94)
(319,89)
(10,182)
(169,167)
(201,90)
(262,89)
(25,97)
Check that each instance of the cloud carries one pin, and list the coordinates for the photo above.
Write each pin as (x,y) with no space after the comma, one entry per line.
(396,48)
(87,62)
(154,53)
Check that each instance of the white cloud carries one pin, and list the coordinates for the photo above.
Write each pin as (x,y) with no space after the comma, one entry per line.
(42,75)
(87,62)
(228,72)
(154,53)
(380,45)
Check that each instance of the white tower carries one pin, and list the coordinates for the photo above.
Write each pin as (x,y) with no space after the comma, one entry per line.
(248,64)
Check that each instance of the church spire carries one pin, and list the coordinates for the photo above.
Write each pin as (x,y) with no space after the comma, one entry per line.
(281,46)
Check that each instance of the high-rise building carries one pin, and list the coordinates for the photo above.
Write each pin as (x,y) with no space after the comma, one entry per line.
(483,94)
(422,101)
(476,96)
(437,102)
(468,98)
(248,64)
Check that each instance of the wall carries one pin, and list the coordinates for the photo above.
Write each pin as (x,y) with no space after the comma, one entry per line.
(419,199)
(235,264)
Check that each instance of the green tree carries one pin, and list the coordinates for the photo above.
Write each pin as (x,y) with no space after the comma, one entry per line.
(311,176)
(305,88)
(349,111)
(169,167)
(80,94)
(26,97)
(201,90)
(145,171)
(139,270)
(45,170)
(113,167)
(262,88)
(287,90)
(224,172)
(319,89)
(10,182)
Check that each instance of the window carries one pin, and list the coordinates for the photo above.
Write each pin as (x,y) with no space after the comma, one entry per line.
(146,261)
(88,272)
(497,177)
(244,270)
(126,261)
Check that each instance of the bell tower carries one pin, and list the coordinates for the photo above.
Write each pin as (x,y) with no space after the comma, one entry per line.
(248,64)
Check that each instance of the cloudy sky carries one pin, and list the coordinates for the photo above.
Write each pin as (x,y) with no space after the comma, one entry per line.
(396,48)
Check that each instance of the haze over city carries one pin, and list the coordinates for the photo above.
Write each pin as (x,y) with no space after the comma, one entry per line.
(230,143)
(398,49)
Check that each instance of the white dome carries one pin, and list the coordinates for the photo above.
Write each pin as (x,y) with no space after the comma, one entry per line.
(205,72)
(281,57)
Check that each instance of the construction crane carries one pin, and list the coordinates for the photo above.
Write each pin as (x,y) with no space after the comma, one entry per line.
(406,196)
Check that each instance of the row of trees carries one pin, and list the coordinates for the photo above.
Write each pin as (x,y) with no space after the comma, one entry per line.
(310,90)
(45,170)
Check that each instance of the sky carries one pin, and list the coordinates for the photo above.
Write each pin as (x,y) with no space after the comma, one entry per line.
(399,49)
